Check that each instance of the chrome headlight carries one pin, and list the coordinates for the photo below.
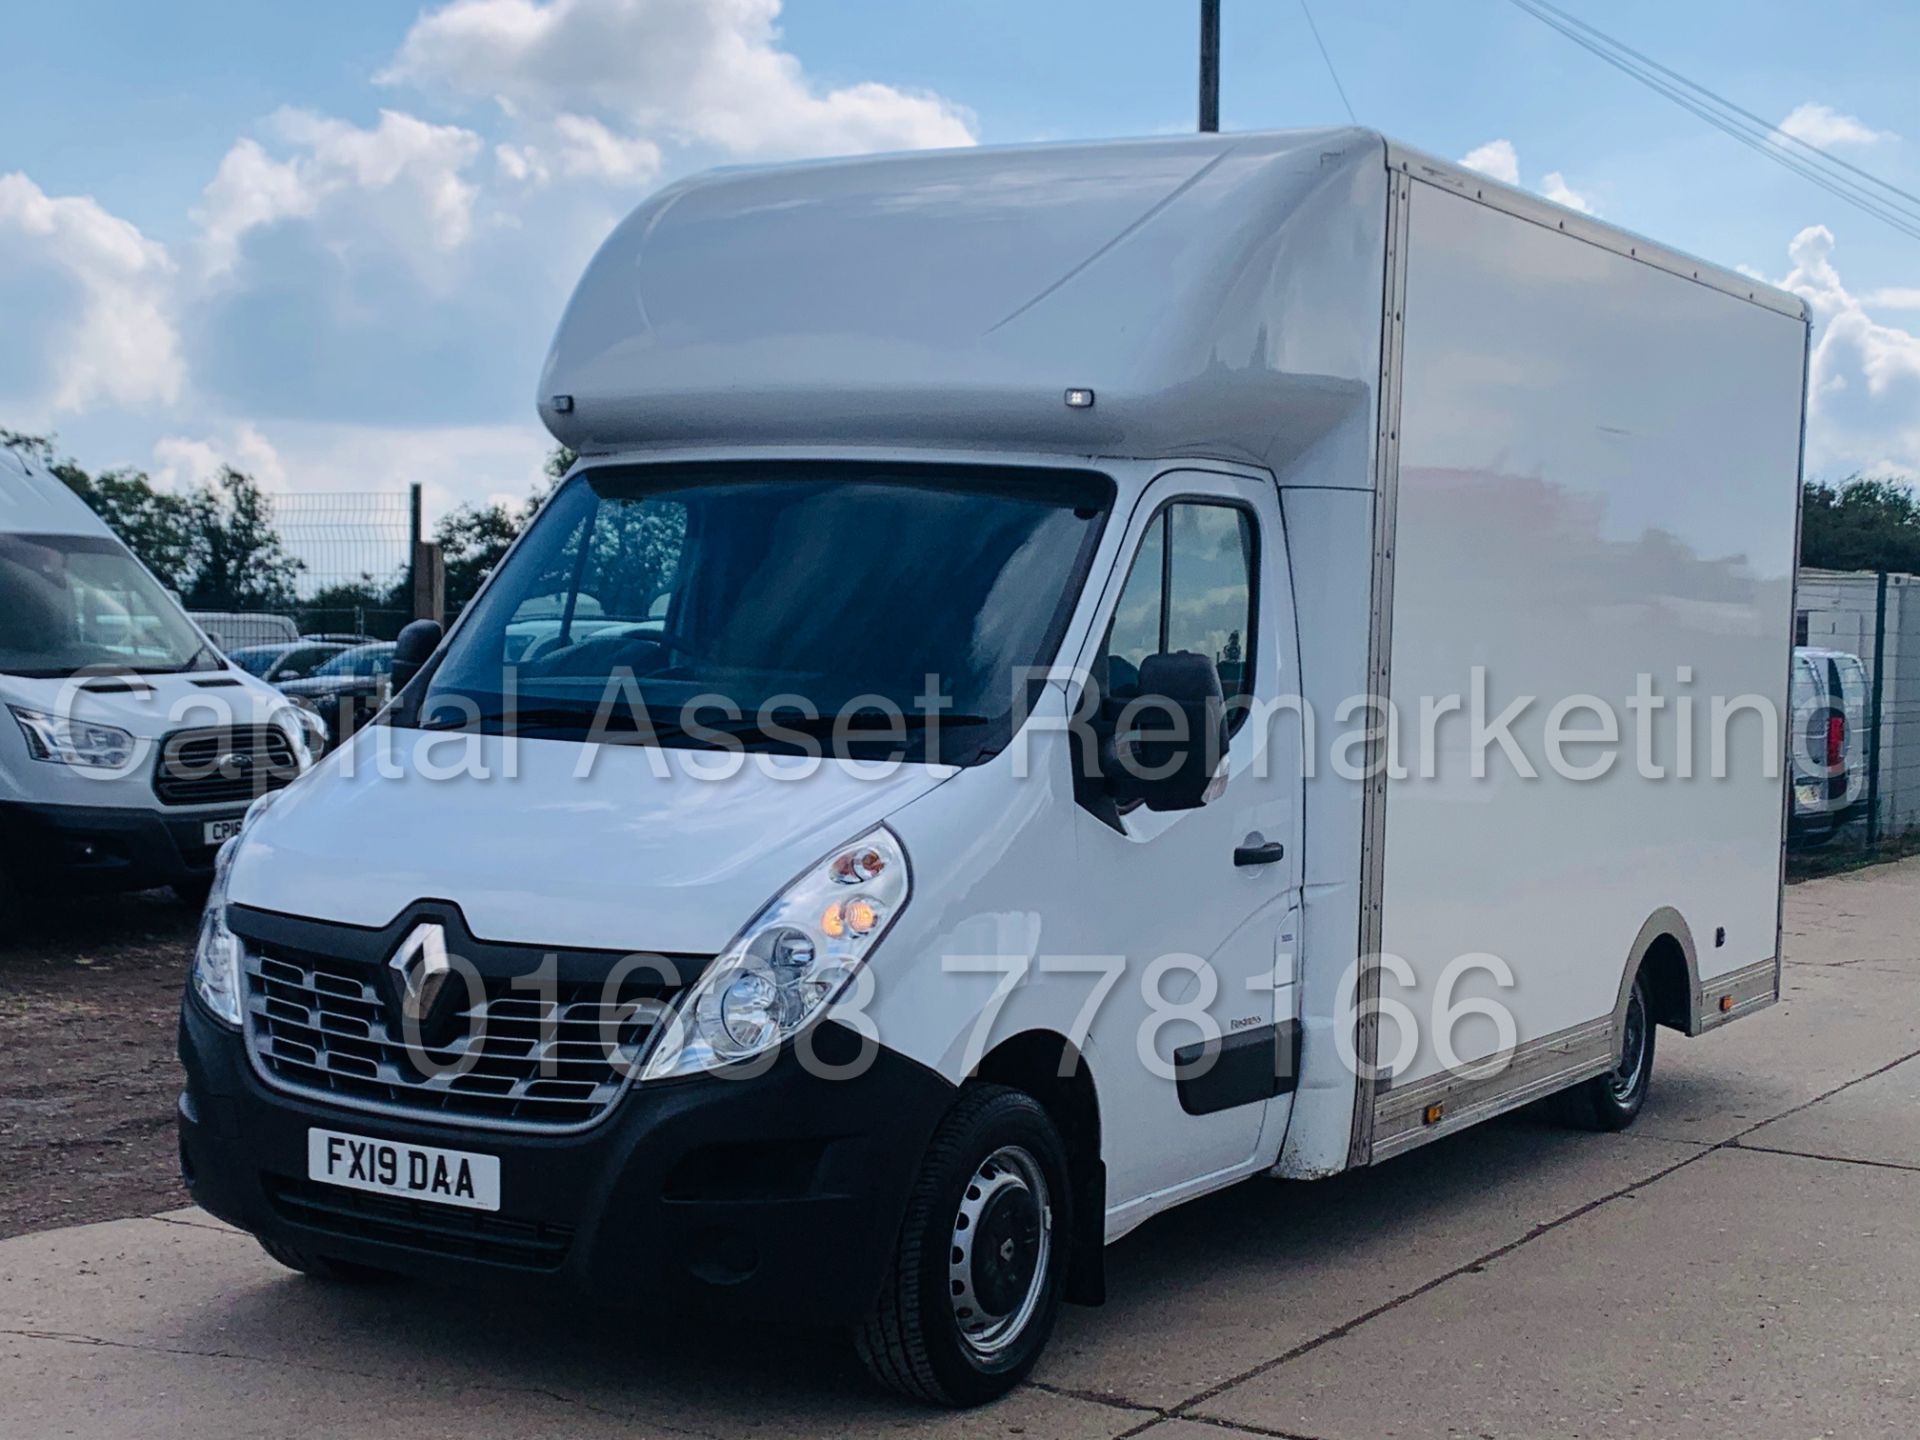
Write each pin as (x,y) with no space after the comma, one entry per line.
(790,963)
(308,730)
(216,955)
(79,743)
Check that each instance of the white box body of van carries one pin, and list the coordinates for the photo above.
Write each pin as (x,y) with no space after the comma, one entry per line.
(1503,468)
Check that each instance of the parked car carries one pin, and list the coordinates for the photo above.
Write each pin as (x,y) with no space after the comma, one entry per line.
(345,689)
(286,660)
(231,629)
(129,748)
(1122,447)
(1829,754)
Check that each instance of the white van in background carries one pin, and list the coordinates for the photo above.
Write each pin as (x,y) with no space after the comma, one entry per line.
(1829,742)
(129,747)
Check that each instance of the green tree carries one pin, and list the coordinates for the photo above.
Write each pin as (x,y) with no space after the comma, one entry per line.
(472,538)
(366,606)
(239,562)
(1861,524)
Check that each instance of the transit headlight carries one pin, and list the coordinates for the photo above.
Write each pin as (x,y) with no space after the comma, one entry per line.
(216,954)
(308,730)
(79,743)
(790,963)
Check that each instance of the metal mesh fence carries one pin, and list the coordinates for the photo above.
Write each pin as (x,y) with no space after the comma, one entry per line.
(333,564)
(1876,619)
(354,554)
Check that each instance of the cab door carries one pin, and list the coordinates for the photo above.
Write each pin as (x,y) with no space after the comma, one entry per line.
(1195,1054)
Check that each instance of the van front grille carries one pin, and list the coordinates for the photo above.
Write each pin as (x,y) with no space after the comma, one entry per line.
(507,1053)
(226,766)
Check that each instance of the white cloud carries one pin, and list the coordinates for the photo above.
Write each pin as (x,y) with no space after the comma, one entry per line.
(707,72)
(1864,407)
(578,147)
(1896,298)
(180,462)
(1496,158)
(114,339)
(1554,186)
(1826,127)
(413,169)
(455,464)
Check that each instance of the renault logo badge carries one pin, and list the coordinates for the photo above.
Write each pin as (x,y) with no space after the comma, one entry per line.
(421,964)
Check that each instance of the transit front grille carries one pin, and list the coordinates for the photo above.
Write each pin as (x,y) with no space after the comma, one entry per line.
(226,766)
(518,1055)
(417,1225)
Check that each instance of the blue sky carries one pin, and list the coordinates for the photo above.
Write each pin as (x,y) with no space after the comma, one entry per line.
(329,243)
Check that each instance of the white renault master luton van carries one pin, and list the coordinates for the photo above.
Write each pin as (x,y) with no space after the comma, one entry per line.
(130,748)
(1063,679)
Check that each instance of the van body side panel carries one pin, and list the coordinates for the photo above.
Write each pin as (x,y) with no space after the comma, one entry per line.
(1598,482)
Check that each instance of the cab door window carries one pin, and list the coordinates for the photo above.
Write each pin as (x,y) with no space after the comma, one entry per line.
(1190,588)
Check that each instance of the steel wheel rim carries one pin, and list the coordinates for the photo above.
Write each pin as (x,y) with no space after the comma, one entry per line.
(1626,1079)
(1000,1251)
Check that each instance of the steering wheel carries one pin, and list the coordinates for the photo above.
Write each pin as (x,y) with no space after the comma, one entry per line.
(549,647)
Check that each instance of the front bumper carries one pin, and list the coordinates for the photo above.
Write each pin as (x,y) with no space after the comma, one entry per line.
(102,847)
(774,1196)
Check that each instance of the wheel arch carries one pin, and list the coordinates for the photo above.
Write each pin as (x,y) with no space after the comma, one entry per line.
(1664,948)
(1050,1068)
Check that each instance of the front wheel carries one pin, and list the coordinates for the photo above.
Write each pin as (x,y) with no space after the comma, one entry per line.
(1613,1101)
(975,1285)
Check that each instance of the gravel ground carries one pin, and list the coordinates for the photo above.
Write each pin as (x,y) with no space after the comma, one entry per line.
(89,998)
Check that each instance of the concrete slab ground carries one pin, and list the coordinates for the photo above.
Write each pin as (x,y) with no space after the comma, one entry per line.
(1744,1262)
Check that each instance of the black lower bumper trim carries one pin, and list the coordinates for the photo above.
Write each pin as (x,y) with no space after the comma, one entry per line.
(433,1229)
(101,847)
(779,1195)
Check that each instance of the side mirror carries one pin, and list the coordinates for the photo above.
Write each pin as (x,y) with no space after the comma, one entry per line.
(413,649)
(1171,739)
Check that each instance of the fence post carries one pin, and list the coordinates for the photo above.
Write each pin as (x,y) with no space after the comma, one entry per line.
(414,537)
(1878,697)
(429,582)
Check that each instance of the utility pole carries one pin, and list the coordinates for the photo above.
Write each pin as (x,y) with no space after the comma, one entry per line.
(1209,66)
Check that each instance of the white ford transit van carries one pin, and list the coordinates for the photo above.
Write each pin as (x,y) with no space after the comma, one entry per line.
(130,748)
(1063,679)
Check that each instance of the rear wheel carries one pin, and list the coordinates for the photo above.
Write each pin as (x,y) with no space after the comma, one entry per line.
(1613,1101)
(975,1285)
(324,1267)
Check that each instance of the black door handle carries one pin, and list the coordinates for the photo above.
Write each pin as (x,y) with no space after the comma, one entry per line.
(1266,854)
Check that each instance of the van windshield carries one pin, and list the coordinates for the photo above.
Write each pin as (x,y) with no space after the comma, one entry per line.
(74,602)
(796,607)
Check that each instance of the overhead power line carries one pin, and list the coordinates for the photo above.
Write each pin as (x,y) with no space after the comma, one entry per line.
(1840,178)
(1329,59)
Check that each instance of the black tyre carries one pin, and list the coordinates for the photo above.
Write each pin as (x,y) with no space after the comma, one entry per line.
(976,1281)
(323,1267)
(1613,1101)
